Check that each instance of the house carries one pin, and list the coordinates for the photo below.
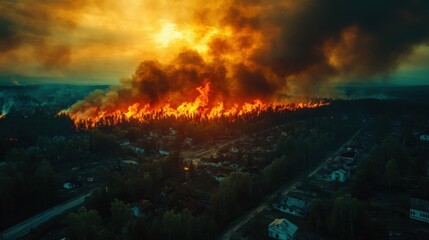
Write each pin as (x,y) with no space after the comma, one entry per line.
(69,185)
(196,162)
(124,143)
(137,150)
(419,210)
(188,141)
(292,205)
(340,175)
(130,162)
(220,177)
(164,152)
(193,207)
(172,132)
(234,150)
(282,229)
(143,208)
(424,138)
(349,155)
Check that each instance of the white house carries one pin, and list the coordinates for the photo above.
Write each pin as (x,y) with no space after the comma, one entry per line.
(282,229)
(137,149)
(69,185)
(424,138)
(340,175)
(419,210)
(164,152)
(220,177)
(234,150)
(124,143)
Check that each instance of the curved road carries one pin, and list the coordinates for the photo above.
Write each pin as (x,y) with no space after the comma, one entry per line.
(28,225)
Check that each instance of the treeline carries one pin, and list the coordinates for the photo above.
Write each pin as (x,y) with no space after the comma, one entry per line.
(88,224)
(23,130)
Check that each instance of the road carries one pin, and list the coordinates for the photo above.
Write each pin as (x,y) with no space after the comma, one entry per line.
(28,225)
(285,189)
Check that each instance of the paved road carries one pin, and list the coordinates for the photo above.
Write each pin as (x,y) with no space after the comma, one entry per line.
(28,225)
(285,189)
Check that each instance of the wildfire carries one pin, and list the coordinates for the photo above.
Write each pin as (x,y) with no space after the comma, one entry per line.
(2,116)
(211,67)
(200,108)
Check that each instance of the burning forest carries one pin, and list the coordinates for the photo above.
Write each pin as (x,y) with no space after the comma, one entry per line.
(229,119)
(235,58)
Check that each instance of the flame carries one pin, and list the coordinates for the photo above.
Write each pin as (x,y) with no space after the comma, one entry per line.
(200,108)
(2,116)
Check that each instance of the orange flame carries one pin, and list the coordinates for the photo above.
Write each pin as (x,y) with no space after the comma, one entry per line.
(201,108)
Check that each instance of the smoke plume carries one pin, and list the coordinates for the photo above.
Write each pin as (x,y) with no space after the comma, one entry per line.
(254,49)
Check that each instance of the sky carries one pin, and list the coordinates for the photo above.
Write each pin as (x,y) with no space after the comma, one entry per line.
(293,44)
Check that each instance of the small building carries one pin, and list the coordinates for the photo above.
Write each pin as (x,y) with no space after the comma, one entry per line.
(220,177)
(292,205)
(340,175)
(282,229)
(419,210)
(172,132)
(130,162)
(143,208)
(69,185)
(124,143)
(349,155)
(424,138)
(164,152)
(196,162)
(234,150)
(188,141)
(137,150)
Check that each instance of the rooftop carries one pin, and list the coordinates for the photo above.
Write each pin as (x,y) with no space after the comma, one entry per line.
(419,204)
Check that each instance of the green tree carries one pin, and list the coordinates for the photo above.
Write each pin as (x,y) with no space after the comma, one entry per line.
(120,215)
(236,188)
(345,218)
(84,225)
(171,224)
(391,175)
(361,184)
(104,143)
(44,183)
(318,215)
(147,184)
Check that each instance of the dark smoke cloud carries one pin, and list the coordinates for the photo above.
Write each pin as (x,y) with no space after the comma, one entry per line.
(384,33)
(305,44)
